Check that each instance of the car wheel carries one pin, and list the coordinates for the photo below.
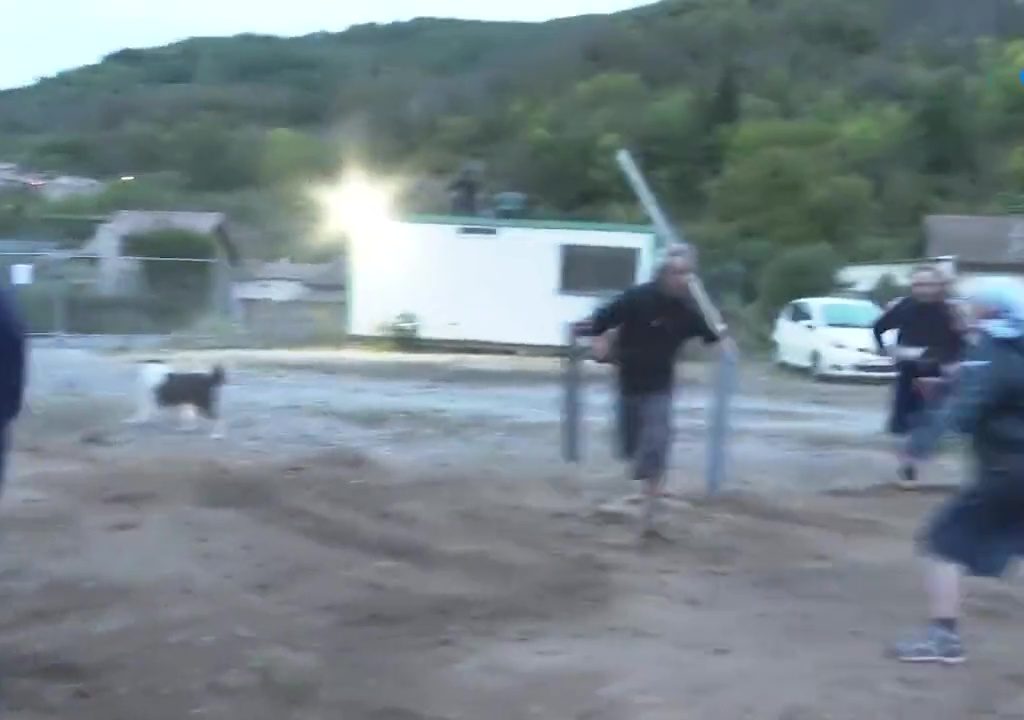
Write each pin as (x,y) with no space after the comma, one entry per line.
(817,368)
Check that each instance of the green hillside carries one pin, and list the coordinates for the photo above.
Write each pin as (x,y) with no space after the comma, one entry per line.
(767,125)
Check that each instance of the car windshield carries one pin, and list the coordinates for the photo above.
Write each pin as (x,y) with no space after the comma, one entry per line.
(850,315)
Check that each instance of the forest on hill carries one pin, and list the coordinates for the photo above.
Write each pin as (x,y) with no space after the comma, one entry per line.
(785,132)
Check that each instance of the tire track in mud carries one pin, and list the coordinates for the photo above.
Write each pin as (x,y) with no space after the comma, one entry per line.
(497,571)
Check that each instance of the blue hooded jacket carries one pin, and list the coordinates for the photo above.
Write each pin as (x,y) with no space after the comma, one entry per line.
(987,402)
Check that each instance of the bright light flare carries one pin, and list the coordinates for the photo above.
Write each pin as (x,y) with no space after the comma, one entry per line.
(356,205)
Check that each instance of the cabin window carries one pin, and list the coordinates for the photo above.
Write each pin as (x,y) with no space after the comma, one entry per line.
(590,270)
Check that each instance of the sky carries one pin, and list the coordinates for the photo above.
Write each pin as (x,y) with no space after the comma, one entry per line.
(43,37)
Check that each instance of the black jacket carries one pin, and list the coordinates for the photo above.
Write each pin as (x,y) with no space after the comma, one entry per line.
(987,404)
(652,327)
(929,325)
(12,360)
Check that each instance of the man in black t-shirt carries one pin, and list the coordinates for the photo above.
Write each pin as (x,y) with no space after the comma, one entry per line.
(650,323)
(929,344)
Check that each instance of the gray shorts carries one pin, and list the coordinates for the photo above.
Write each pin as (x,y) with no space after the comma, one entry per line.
(645,433)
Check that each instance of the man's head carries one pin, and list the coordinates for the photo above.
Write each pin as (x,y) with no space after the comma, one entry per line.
(928,283)
(676,268)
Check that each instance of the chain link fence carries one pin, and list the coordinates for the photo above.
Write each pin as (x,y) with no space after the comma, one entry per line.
(64,294)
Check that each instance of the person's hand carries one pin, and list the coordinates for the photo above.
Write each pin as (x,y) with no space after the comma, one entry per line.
(901,353)
(601,347)
(581,328)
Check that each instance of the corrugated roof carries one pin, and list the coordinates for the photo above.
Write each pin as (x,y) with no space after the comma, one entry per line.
(993,239)
(133,222)
(316,274)
(137,221)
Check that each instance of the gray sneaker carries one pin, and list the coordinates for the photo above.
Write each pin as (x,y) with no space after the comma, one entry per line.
(934,645)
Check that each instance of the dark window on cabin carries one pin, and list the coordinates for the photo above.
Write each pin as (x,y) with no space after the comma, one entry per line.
(589,270)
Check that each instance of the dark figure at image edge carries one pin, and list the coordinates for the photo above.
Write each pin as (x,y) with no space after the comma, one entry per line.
(12,373)
(923,320)
(652,322)
(980,529)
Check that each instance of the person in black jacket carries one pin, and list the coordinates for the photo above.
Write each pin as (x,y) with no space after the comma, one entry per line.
(650,323)
(12,373)
(929,344)
(981,528)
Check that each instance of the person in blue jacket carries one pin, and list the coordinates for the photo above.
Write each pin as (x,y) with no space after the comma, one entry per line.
(980,530)
(12,373)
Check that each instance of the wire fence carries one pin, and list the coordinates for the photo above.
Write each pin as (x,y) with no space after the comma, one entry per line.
(63,294)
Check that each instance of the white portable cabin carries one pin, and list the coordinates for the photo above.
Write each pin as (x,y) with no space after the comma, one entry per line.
(481,280)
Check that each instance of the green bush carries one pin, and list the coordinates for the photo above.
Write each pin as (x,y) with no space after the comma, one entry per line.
(180,291)
(404,331)
(801,272)
(887,289)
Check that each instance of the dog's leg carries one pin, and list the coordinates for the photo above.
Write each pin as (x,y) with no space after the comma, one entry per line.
(212,410)
(188,417)
(145,408)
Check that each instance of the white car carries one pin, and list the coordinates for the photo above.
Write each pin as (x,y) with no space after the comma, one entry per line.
(832,338)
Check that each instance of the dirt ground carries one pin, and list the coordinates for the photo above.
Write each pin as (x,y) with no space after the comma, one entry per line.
(396,538)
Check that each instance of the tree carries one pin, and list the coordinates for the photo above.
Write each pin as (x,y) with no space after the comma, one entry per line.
(721,112)
(840,208)
(215,158)
(724,108)
(942,127)
(766,196)
(800,272)
(671,147)
(289,154)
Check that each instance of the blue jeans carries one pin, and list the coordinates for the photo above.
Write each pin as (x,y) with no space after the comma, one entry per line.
(926,425)
(645,433)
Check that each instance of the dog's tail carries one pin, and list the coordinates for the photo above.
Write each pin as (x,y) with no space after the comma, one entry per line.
(218,375)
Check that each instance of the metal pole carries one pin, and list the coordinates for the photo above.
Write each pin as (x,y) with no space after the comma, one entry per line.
(664,229)
(667,232)
(572,380)
(725,379)
(718,425)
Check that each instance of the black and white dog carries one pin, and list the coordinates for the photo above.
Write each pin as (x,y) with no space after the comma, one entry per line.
(162,388)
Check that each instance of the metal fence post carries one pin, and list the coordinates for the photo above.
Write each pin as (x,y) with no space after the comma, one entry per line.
(572,379)
(718,425)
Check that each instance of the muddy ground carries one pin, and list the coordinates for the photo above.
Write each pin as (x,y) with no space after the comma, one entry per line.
(397,539)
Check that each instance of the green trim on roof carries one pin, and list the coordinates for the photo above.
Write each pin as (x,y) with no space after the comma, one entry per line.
(528,224)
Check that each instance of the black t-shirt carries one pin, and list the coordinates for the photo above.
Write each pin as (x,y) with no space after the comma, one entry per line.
(652,327)
(929,325)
